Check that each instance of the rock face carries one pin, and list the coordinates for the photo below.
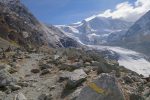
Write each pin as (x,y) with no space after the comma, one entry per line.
(20,27)
(105,87)
(65,40)
(69,42)
(138,35)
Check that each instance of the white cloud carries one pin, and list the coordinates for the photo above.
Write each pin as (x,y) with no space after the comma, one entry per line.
(128,11)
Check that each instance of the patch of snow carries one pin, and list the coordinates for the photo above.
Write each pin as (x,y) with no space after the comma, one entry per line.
(93,34)
(59,26)
(74,30)
(71,35)
(112,31)
(77,23)
(90,18)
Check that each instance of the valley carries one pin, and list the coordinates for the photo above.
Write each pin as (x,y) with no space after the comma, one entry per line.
(97,58)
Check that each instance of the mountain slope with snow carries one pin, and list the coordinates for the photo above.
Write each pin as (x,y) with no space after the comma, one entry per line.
(96,30)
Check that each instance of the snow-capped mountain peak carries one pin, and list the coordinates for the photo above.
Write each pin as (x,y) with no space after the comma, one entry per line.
(90,18)
(104,29)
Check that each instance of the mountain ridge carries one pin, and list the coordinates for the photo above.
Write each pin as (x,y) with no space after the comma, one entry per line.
(19,26)
(97,30)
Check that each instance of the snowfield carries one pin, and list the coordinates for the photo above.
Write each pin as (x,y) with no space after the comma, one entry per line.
(129,59)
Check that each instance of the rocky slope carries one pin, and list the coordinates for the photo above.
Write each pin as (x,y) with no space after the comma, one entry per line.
(19,27)
(96,30)
(63,73)
(68,74)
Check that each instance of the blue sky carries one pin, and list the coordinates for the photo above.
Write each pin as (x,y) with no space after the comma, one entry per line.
(68,11)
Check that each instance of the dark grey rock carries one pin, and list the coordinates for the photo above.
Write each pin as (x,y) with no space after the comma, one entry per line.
(45,97)
(45,66)
(35,70)
(105,87)
(136,97)
(14,87)
(128,79)
(45,71)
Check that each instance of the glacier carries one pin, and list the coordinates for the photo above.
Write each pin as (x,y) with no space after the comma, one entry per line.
(132,60)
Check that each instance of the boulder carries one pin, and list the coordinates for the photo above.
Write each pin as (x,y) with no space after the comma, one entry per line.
(35,70)
(75,94)
(45,66)
(87,63)
(136,97)
(148,84)
(146,94)
(6,79)
(12,70)
(15,87)
(2,95)
(106,87)
(148,98)
(7,68)
(20,96)
(4,66)
(147,79)
(87,69)
(45,97)
(127,79)
(45,71)
(74,78)
(56,57)
(23,84)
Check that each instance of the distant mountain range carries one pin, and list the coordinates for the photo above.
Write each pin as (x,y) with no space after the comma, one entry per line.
(18,27)
(96,30)
(107,31)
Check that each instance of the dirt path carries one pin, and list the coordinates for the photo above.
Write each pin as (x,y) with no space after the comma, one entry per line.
(37,84)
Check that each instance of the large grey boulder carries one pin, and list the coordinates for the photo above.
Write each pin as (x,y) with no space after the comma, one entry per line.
(74,78)
(105,87)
